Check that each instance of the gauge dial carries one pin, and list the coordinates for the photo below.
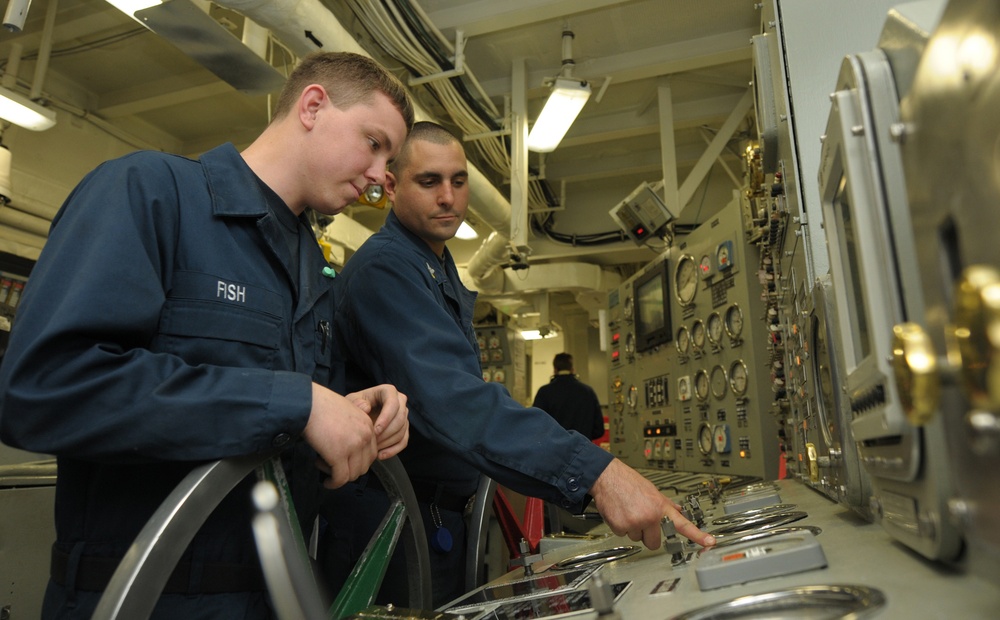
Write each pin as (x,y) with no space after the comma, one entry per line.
(715,328)
(628,307)
(499,375)
(719,382)
(738,378)
(706,268)
(724,255)
(722,442)
(698,335)
(684,388)
(633,397)
(647,450)
(706,438)
(630,344)
(734,321)
(701,385)
(686,279)
(683,341)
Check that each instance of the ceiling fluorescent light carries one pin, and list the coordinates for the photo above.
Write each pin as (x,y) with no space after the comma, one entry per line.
(24,112)
(564,104)
(129,7)
(466,232)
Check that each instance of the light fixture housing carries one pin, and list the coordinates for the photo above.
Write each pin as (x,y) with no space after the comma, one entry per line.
(24,112)
(466,232)
(564,104)
(130,7)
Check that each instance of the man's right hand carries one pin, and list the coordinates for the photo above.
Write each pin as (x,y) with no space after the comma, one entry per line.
(633,507)
(342,434)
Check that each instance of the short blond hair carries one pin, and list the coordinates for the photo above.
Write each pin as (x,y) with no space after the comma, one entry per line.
(348,79)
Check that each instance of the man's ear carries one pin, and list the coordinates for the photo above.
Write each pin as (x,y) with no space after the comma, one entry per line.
(313,98)
(390,186)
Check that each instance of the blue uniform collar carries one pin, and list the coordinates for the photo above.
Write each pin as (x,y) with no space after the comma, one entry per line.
(232,183)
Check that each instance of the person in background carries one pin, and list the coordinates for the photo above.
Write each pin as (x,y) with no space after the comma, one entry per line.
(404,317)
(181,313)
(571,402)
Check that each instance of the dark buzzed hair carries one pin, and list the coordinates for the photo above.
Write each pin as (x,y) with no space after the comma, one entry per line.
(563,362)
(348,79)
(427,132)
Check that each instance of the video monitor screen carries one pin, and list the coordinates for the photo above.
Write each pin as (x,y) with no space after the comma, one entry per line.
(652,309)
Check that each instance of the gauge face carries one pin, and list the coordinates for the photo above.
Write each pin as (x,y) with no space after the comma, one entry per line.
(724,255)
(647,450)
(633,397)
(705,267)
(630,344)
(721,434)
(719,382)
(499,375)
(738,378)
(686,280)
(706,438)
(698,335)
(487,375)
(683,341)
(628,307)
(684,388)
(734,321)
(715,328)
(701,385)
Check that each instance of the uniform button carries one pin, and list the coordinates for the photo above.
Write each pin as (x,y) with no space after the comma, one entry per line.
(281,439)
(573,484)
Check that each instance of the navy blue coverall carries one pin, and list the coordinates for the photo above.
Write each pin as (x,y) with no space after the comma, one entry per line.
(161,329)
(404,317)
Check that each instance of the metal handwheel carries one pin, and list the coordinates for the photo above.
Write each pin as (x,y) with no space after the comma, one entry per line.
(137,583)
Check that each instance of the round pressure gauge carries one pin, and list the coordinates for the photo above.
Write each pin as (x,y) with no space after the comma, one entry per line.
(499,376)
(647,450)
(487,375)
(628,308)
(686,279)
(701,385)
(630,344)
(698,335)
(715,328)
(738,378)
(683,341)
(633,397)
(706,438)
(734,321)
(719,382)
